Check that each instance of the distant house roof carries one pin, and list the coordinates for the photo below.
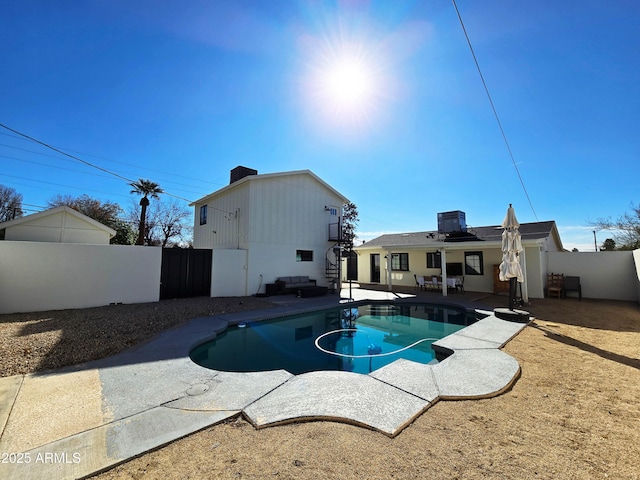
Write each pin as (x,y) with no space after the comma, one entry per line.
(491,234)
(253,178)
(55,210)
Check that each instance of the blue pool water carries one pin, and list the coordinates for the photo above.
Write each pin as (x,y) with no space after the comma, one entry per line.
(355,339)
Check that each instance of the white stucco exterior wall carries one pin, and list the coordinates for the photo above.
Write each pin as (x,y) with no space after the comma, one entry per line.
(605,275)
(40,276)
(229,273)
(535,279)
(267,262)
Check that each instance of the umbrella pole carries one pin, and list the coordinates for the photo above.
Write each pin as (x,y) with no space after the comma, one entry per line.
(512,292)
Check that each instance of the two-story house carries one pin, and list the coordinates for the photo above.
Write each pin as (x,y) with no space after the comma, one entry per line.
(266,226)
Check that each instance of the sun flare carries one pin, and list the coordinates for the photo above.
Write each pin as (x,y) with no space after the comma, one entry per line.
(348,83)
(345,84)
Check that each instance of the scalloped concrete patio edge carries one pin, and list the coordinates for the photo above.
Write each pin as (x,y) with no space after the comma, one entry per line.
(390,398)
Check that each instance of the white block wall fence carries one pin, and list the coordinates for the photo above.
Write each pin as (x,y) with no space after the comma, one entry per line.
(37,276)
(603,275)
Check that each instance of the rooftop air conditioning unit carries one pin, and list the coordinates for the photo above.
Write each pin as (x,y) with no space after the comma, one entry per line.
(452,222)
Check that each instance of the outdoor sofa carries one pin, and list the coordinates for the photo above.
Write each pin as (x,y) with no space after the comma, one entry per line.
(293,284)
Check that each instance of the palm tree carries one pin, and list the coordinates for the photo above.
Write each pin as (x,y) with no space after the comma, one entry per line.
(145,188)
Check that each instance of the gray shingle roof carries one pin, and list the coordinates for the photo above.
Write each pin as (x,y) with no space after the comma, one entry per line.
(528,231)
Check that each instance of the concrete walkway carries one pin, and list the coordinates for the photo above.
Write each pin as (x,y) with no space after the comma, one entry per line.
(78,421)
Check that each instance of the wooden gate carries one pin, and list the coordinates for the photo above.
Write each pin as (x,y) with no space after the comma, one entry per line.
(185,272)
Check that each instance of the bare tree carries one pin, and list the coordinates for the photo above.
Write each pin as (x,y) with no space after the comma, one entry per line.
(626,228)
(103,212)
(173,222)
(166,224)
(10,204)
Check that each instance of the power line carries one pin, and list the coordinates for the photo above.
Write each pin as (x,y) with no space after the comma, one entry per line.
(83,172)
(79,171)
(56,149)
(128,180)
(173,174)
(62,185)
(495,113)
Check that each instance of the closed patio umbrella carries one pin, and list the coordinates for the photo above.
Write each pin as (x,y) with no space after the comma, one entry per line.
(510,268)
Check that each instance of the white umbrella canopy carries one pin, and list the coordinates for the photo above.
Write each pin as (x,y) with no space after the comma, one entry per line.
(511,248)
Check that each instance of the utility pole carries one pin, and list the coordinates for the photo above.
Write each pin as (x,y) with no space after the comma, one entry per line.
(595,242)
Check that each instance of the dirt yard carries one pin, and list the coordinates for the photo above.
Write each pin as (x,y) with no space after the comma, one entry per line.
(573,414)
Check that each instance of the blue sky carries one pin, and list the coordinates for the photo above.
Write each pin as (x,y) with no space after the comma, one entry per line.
(182,92)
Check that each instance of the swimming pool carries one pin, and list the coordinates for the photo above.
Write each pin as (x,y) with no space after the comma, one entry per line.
(357,339)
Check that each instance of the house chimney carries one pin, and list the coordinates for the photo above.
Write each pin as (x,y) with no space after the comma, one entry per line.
(239,173)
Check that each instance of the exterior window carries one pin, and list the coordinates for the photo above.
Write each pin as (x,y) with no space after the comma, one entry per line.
(400,261)
(203,215)
(304,255)
(473,263)
(434,260)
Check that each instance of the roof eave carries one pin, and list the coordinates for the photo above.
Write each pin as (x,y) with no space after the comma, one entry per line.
(54,210)
(263,176)
(449,245)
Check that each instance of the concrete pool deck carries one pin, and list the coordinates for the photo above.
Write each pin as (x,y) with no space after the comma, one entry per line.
(77,421)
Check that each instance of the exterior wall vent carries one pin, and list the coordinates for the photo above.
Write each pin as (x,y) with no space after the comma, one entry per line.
(240,172)
(452,222)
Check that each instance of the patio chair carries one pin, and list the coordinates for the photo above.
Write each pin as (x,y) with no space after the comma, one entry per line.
(555,285)
(420,282)
(460,284)
(572,284)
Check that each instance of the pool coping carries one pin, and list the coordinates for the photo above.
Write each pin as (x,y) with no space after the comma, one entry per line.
(153,393)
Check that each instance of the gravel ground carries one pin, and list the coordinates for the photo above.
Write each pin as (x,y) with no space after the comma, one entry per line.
(31,342)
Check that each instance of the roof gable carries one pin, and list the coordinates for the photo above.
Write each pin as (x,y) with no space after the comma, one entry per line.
(256,178)
(37,217)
